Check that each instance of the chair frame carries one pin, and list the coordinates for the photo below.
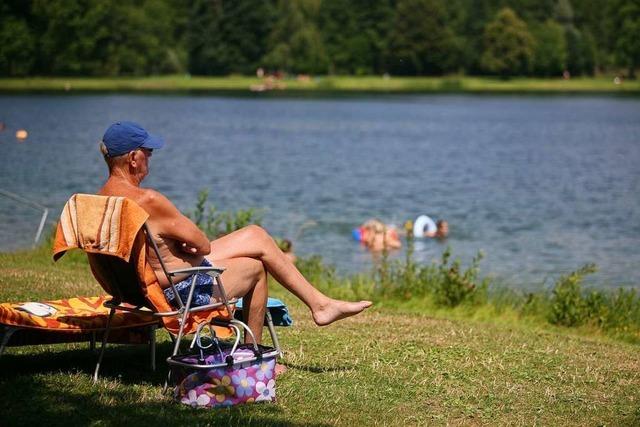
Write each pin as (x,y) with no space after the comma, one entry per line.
(184,309)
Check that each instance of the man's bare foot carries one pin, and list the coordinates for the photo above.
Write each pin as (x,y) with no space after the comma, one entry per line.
(280,369)
(335,309)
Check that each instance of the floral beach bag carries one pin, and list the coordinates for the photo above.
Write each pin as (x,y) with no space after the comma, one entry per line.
(216,373)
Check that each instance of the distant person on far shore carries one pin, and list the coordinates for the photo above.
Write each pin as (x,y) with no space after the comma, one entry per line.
(377,236)
(2,126)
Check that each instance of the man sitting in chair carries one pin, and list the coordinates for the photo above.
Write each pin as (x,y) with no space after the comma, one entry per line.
(247,254)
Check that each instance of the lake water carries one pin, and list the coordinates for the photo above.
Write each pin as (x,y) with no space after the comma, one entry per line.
(541,185)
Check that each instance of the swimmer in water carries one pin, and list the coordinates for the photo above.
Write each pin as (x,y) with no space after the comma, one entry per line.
(377,236)
(441,232)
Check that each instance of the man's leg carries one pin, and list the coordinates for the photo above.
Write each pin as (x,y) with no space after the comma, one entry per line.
(254,242)
(246,278)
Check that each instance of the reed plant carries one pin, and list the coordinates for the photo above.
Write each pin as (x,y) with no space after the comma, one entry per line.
(216,223)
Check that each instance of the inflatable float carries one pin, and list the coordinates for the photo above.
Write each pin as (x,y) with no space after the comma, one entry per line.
(424,224)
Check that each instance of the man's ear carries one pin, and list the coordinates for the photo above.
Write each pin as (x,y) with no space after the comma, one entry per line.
(132,158)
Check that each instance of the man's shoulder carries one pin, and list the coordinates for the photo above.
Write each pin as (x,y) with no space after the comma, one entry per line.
(152,201)
(151,198)
(156,204)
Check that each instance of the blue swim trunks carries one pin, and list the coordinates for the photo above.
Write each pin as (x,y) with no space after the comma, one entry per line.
(201,293)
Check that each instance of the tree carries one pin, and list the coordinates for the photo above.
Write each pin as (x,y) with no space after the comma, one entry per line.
(532,10)
(143,41)
(580,46)
(563,12)
(588,16)
(17,47)
(75,37)
(228,36)
(142,37)
(550,52)
(354,34)
(508,45)
(295,44)
(108,37)
(421,42)
(580,52)
(624,18)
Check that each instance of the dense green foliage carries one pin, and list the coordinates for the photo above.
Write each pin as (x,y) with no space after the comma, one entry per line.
(400,37)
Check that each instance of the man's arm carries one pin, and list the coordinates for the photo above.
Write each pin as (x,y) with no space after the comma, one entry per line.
(172,224)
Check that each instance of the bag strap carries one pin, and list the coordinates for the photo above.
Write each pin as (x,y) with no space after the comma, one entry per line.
(234,324)
(197,341)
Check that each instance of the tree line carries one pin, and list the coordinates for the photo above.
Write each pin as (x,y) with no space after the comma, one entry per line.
(341,37)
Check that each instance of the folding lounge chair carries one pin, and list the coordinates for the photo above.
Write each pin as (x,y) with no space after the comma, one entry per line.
(81,319)
(124,272)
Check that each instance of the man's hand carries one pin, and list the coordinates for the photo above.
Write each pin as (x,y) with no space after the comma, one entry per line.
(188,249)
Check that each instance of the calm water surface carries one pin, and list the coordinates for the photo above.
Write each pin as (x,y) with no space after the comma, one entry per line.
(540,184)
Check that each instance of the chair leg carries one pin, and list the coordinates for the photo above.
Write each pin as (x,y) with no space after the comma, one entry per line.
(104,345)
(7,332)
(185,314)
(152,345)
(183,322)
(272,332)
(166,381)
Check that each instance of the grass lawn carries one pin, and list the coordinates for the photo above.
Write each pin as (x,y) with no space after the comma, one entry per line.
(323,84)
(384,367)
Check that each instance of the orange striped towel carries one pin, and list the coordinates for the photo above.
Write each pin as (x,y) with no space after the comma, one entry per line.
(82,314)
(97,224)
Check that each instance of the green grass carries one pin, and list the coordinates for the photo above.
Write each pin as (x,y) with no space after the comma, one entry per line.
(335,84)
(389,366)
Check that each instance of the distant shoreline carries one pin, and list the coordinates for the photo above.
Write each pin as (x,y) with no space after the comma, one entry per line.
(321,85)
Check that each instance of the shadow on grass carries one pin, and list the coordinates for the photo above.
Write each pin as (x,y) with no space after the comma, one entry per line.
(319,369)
(43,402)
(55,388)
(129,364)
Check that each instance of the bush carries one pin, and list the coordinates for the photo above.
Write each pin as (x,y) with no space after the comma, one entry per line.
(612,311)
(568,306)
(218,223)
(619,311)
(455,285)
(447,282)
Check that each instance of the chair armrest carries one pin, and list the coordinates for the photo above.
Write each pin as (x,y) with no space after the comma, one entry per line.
(192,270)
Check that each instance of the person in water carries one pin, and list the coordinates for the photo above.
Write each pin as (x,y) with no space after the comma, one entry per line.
(247,254)
(377,236)
(442,230)
(424,226)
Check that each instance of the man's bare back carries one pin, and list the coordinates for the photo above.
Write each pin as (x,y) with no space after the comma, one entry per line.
(163,217)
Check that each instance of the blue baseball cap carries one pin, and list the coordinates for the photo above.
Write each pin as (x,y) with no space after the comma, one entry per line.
(122,137)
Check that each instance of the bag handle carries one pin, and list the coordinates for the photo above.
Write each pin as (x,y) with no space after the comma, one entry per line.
(197,341)
(234,324)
